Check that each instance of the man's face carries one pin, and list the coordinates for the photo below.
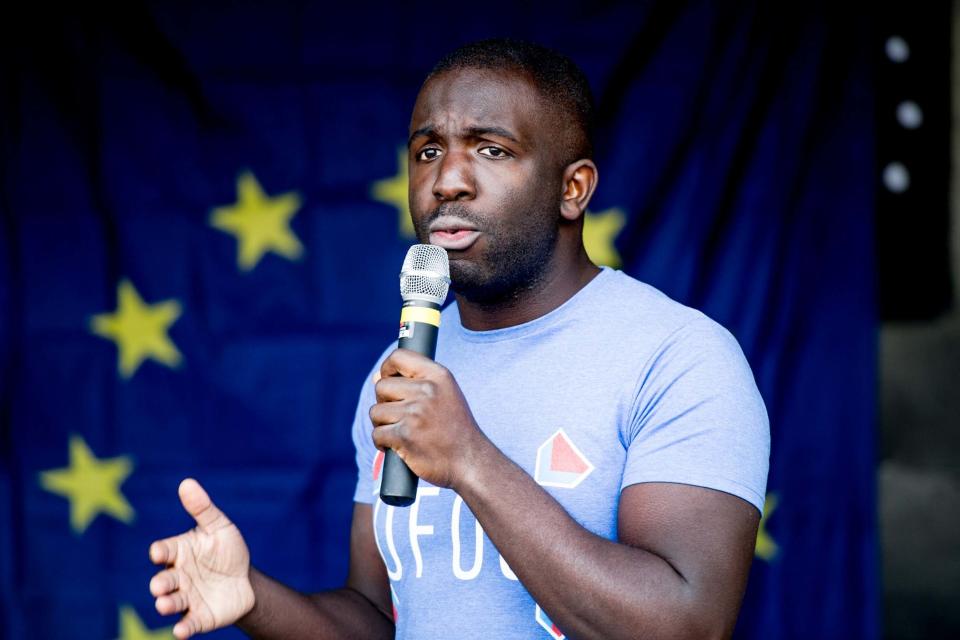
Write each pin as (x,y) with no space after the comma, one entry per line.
(484,180)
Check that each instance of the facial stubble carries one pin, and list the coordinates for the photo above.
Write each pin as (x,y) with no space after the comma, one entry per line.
(514,254)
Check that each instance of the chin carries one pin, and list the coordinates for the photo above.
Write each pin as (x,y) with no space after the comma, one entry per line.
(482,288)
(464,275)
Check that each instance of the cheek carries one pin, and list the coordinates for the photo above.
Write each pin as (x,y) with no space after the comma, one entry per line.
(420,194)
(418,185)
(531,207)
(510,191)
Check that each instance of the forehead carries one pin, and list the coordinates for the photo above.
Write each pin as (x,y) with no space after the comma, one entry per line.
(459,99)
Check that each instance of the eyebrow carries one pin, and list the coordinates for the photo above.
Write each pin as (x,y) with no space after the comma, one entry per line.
(470,132)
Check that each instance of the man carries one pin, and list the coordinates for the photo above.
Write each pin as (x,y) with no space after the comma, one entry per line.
(592,455)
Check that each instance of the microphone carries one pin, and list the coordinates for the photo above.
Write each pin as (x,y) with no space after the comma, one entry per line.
(424,281)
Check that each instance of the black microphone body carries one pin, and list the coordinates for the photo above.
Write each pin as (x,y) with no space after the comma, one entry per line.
(419,325)
(420,333)
(398,486)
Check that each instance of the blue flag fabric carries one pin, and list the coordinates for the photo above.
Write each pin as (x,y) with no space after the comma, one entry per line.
(203,216)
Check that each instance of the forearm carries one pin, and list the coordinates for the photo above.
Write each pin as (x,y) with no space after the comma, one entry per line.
(591,587)
(281,612)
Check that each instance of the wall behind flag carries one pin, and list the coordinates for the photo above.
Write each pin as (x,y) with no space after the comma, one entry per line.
(203,216)
(912,51)
(918,478)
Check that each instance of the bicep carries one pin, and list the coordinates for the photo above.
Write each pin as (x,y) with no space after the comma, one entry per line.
(367,573)
(706,535)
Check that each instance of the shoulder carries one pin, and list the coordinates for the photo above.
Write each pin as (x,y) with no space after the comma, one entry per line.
(636,313)
(638,299)
(659,341)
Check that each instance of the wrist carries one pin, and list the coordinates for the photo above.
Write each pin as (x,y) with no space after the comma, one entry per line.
(479,457)
(255,582)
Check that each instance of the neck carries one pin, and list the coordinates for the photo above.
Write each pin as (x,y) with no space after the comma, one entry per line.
(564,276)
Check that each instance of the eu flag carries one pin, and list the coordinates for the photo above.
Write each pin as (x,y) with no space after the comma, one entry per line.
(203,215)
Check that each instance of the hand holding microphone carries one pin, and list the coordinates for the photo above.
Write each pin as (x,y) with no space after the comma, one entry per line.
(424,282)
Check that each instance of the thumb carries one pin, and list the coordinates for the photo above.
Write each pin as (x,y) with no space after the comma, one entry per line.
(406,363)
(198,504)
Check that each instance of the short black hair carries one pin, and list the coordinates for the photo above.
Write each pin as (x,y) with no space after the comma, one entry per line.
(559,80)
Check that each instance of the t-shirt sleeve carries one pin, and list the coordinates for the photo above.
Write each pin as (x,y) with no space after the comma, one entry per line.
(366,453)
(698,417)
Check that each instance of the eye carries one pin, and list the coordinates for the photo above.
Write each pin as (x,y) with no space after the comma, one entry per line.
(494,152)
(428,154)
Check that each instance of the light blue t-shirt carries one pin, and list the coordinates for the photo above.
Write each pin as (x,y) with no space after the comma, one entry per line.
(617,386)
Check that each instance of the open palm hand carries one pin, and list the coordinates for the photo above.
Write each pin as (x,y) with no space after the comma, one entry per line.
(207,574)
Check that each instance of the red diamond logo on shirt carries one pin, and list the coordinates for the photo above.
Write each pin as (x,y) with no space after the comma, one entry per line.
(563,458)
(560,463)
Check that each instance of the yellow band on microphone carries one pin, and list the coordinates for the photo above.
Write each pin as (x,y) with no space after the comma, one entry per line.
(420,314)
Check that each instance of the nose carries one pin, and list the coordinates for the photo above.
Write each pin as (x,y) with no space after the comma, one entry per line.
(454,178)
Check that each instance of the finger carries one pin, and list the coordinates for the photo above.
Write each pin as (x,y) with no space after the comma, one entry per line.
(408,364)
(175,602)
(186,627)
(394,388)
(198,504)
(384,413)
(164,551)
(386,437)
(164,582)
(376,376)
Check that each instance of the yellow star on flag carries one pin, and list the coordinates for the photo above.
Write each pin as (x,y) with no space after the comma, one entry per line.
(132,627)
(91,485)
(766,548)
(393,191)
(139,330)
(259,222)
(599,232)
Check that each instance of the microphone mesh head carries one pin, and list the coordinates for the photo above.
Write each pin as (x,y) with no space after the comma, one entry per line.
(425,274)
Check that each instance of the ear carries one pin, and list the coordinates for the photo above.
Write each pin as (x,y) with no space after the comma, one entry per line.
(579,183)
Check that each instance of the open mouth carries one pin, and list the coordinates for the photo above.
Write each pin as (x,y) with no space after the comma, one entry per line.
(454,239)
(452,233)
